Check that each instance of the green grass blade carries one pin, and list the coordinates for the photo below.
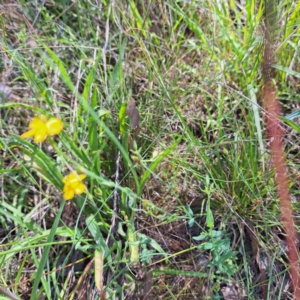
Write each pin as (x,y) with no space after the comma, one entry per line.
(153,165)
(257,123)
(45,256)
(41,162)
(179,272)
(293,115)
(292,124)
(287,70)
(55,61)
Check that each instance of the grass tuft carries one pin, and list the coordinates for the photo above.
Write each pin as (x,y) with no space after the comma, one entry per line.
(179,203)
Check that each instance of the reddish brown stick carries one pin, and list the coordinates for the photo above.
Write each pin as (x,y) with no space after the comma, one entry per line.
(279,164)
(275,131)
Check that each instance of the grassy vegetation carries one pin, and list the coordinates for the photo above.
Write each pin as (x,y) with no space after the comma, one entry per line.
(183,206)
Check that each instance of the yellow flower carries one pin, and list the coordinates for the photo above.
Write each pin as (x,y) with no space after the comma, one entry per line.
(73,185)
(40,128)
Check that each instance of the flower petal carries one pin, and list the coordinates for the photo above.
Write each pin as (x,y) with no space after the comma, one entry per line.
(69,194)
(82,176)
(54,126)
(36,123)
(73,185)
(28,134)
(79,189)
(65,179)
(74,179)
(40,135)
(66,187)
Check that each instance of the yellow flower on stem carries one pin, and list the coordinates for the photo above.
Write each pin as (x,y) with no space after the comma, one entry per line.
(73,185)
(40,128)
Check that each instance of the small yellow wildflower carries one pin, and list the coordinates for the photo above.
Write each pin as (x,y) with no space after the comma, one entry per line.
(73,185)
(40,128)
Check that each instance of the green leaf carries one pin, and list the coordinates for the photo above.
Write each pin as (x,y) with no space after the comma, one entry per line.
(153,244)
(216,233)
(132,243)
(200,237)
(179,272)
(79,154)
(95,231)
(122,118)
(209,218)
(154,164)
(286,70)
(40,161)
(193,24)
(92,127)
(207,246)
(292,124)
(54,62)
(38,276)
(23,105)
(257,121)
(191,222)
(293,115)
